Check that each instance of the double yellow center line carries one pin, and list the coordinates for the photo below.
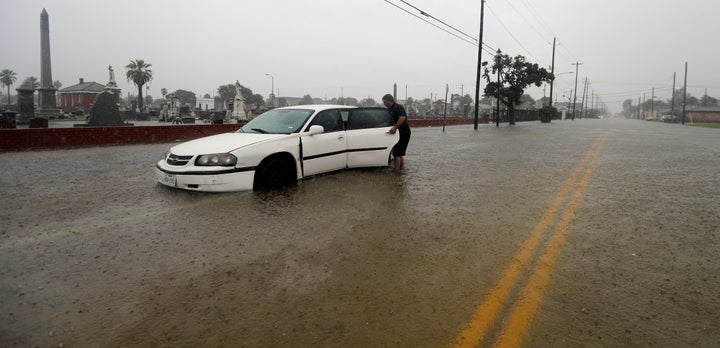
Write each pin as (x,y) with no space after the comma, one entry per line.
(523,310)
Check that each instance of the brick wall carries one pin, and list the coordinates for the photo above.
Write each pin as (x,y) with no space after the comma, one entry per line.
(16,139)
(37,138)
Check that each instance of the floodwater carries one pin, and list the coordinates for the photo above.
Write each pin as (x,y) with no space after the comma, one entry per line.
(95,253)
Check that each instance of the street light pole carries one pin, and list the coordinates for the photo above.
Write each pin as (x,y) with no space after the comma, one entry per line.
(552,71)
(577,65)
(497,116)
(272,89)
(479,63)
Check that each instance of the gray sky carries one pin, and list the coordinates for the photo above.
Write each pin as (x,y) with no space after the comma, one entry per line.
(359,48)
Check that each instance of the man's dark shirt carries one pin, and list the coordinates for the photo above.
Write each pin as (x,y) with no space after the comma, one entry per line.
(397,110)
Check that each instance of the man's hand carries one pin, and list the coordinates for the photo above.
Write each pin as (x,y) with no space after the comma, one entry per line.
(392,130)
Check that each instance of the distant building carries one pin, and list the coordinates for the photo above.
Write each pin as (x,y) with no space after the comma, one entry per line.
(205,104)
(703,114)
(80,96)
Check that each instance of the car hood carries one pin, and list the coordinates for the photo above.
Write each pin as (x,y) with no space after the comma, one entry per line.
(221,143)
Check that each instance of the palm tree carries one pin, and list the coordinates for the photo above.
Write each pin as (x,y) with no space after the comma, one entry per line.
(7,77)
(139,73)
(31,82)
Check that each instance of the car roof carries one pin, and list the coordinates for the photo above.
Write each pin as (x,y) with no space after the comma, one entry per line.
(318,107)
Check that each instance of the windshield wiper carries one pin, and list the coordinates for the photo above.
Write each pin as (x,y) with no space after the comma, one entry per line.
(260,130)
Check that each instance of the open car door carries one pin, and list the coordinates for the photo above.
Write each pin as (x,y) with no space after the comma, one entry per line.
(368,141)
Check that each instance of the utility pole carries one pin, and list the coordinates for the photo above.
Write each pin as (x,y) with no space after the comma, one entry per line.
(577,65)
(583,106)
(462,101)
(479,63)
(638,117)
(672,100)
(684,95)
(652,103)
(552,71)
(497,120)
(447,89)
(643,113)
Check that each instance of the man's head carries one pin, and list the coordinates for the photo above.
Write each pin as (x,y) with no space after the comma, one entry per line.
(388,100)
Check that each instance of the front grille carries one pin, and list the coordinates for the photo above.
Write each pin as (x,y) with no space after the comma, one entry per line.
(175,160)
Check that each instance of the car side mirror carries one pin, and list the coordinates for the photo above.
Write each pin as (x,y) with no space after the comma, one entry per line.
(316,129)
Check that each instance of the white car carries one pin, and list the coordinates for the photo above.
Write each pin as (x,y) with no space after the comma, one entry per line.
(280,147)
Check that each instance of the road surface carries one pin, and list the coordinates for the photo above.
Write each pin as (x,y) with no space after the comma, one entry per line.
(585,233)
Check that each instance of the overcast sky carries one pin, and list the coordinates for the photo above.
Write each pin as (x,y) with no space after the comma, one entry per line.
(359,48)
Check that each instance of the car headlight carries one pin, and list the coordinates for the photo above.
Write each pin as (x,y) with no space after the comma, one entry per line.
(216,159)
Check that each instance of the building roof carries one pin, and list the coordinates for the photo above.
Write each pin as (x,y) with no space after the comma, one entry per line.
(90,87)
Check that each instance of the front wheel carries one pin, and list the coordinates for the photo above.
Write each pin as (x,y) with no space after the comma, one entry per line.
(274,173)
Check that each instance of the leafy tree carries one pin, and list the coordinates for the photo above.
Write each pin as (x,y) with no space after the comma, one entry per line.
(226,93)
(8,77)
(139,73)
(255,100)
(164,92)
(306,100)
(691,100)
(57,84)
(527,99)
(516,74)
(627,104)
(185,97)
(30,82)
(368,102)
(544,101)
(707,100)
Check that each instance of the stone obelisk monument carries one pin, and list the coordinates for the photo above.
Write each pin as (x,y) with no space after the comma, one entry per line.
(46,91)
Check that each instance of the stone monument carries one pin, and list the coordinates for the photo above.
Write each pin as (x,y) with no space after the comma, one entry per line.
(112,87)
(104,113)
(46,92)
(26,105)
(238,104)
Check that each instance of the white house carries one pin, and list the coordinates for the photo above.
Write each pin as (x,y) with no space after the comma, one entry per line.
(205,103)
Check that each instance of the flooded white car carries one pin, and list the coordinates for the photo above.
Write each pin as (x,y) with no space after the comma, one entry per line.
(280,147)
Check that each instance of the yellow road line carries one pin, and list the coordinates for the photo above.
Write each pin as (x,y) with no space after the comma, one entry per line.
(486,313)
(523,313)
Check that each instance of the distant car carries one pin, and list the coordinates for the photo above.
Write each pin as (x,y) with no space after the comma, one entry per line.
(280,147)
(670,118)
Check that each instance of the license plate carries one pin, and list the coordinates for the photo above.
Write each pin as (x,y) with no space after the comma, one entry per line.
(169,179)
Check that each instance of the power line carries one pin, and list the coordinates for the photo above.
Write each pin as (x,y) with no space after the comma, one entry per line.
(428,15)
(526,20)
(474,41)
(513,36)
(537,17)
(434,25)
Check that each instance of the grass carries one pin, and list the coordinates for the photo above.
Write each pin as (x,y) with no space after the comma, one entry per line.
(706,125)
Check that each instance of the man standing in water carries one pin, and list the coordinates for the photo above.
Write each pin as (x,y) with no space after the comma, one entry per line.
(398,113)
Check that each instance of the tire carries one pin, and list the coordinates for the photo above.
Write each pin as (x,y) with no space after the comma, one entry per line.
(274,173)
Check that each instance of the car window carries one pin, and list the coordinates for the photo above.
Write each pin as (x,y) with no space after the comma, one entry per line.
(278,121)
(344,114)
(369,118)
(329,119)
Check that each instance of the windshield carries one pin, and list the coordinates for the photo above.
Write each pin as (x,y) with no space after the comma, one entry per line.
(278,121)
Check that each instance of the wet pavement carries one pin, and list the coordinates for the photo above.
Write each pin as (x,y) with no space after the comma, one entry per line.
(625,214)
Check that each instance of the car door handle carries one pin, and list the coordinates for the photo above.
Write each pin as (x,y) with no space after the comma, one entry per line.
(340,137)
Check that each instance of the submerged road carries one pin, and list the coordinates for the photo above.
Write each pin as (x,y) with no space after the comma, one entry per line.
(585,233)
